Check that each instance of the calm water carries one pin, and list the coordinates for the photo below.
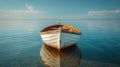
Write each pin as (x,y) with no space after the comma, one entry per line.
(20,42)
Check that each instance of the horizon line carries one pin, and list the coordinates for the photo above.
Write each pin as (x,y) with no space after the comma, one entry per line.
(64,19)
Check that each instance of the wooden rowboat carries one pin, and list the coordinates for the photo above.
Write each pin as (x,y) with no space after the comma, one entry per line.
(60,36)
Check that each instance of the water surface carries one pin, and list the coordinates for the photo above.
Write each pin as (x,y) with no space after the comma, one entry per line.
(20,41)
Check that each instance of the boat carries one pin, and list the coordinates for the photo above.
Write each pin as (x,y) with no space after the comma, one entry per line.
(60,36)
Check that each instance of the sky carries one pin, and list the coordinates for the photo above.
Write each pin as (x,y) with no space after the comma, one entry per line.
(59,9)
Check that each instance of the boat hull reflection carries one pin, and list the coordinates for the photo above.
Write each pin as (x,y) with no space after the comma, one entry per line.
(66,57)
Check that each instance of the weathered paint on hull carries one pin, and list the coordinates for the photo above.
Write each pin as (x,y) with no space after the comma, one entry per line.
(60,40)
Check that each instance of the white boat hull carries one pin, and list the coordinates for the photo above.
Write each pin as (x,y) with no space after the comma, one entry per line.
(60,39)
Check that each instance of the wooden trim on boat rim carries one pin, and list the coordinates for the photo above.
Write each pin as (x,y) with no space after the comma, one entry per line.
(49,29)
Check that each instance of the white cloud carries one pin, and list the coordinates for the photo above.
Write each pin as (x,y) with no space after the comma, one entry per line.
(22,14)
(29,7)
(104,12)
(29,10)
(20,11)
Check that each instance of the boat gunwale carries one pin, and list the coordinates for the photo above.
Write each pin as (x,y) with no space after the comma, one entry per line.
(51,31)
(54,31)
(47,30)
(48,27)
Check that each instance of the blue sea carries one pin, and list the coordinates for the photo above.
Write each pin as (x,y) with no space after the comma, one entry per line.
(20,41)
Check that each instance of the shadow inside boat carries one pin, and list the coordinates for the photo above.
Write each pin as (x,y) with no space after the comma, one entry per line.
(66,57)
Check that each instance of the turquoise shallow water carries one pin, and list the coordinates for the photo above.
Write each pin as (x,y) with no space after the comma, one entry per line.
(20,41)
